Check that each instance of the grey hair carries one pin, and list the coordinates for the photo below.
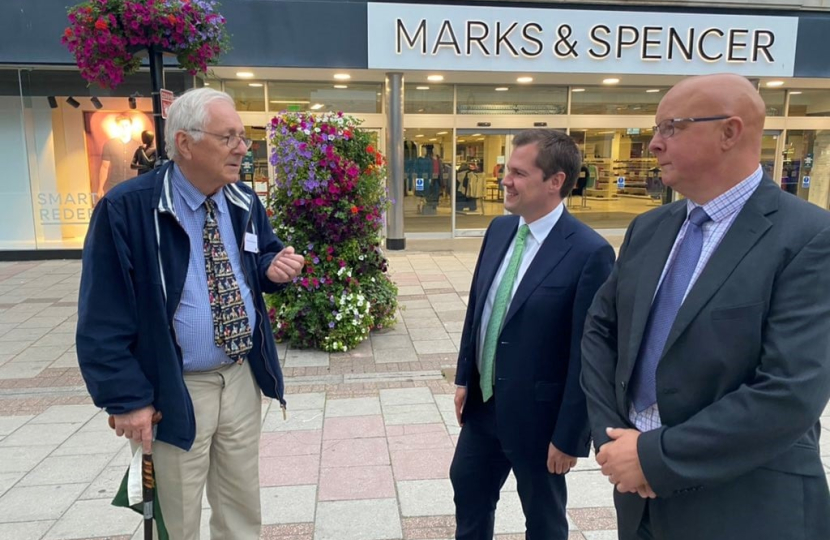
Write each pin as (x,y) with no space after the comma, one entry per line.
(190,111)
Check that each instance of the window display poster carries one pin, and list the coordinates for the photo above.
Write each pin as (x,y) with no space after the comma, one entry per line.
(112,139)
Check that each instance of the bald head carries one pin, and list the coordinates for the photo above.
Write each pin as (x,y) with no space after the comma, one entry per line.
(715,142)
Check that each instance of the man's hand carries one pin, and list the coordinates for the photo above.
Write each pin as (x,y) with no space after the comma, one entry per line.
(137,425)
(621,463)
(460,397)
(559,462)
(285,266)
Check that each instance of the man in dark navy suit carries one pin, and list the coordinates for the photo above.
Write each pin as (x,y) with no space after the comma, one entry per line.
(518,397)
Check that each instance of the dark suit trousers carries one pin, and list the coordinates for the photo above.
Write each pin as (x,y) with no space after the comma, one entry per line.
(478,471)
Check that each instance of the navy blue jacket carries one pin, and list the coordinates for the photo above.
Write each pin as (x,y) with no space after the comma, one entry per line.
(135,263)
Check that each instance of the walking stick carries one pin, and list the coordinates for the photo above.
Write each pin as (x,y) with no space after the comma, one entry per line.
(148,482)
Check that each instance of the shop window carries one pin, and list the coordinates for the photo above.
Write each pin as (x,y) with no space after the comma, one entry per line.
(428,180)
(348,97)
(16,214)
(806,165)
(247,95)
(809,103)
(774,101)
(616,101)
(428,98)
(492,99)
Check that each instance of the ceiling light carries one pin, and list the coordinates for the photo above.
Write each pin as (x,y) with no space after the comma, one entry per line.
(578,90)
(316,106)
(444,132)
(481,139)
(524,80)
(342,76)
(419,135)
(74,102)
(96,102)
(255,85)
(460,140)
(342,87)
(289,101)
(502,89)
(476,134)
(433,139)
(652,90)
(244,74)
(795,92)
(422,88)
(207,84)
(773,84)
(611,80)
(435,78)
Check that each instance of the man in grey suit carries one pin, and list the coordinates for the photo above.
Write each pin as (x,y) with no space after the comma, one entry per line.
(706,354)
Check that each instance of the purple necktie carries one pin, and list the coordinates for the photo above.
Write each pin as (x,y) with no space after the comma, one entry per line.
(664,310)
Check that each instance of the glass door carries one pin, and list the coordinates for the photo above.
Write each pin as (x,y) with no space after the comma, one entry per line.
(480,163)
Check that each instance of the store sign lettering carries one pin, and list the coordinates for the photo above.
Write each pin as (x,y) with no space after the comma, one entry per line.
(65,208)
(459,38)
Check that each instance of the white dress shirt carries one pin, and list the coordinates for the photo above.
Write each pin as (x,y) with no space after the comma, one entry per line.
(539,230)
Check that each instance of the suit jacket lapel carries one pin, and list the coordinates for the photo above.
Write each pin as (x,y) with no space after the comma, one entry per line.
(651,268)
(500,239)
(749,226)
(552,250)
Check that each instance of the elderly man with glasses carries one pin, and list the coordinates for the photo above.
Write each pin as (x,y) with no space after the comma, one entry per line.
(705,354)
(171,318)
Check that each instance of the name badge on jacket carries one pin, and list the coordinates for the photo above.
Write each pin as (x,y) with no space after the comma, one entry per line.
(251,243)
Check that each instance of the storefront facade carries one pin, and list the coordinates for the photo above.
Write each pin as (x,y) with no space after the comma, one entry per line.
(460,80)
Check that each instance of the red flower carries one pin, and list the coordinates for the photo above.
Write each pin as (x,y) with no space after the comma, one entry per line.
(355,210)
(101,24)
(171,19)
(370,149)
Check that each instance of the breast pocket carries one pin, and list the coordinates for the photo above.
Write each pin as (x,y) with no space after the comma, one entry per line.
(745,311)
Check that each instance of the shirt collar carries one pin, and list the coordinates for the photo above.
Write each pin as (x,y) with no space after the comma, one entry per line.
(542,226)
(723,206)
(194,198)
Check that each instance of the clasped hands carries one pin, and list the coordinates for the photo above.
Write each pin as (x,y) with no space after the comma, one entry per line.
(285,266)
(621,463)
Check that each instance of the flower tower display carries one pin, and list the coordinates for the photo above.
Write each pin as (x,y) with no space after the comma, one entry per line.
(106,36)
(328,202)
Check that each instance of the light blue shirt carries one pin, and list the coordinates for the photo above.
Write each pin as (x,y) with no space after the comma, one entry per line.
(723,210)
(193,320)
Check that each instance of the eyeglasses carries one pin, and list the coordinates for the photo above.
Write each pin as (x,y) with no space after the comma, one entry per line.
(232,141)
(666,127)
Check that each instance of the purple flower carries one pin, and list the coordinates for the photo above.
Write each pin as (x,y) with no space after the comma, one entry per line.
(331,324)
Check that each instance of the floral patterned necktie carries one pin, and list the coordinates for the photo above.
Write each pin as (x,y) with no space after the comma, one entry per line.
(231,328)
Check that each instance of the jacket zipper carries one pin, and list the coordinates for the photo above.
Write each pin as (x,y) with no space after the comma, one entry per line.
(259,321)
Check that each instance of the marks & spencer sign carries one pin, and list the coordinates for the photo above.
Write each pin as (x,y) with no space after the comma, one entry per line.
(467,38)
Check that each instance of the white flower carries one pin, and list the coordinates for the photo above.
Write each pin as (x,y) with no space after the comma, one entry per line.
(373,280)
(336,345)
(307,131)
(338,317)
(361,258)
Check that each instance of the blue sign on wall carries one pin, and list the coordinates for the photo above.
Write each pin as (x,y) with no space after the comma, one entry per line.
(620,182)
(419,184)
(805,182)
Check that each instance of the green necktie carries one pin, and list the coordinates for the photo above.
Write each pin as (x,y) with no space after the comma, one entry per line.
(491,338)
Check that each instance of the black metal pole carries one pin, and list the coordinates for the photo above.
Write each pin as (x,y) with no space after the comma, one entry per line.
(157,80)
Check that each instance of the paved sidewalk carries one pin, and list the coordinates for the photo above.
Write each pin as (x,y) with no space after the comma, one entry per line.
(363,455)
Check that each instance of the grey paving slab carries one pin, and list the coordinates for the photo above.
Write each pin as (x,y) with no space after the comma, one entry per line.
(422,313)
(22,458)
(40,434)
(52,324)
(22,335)
(454,327)
(94,518)
(385,342)
(55,340)
(91,442)
(589,489)
(509,515)
(443,307)
(419,413)
(435,346)
(42,354)
(106,484)
(22,370)
(303,402)
(353,407)
(373,519)
(427,334)
(297,420)
(415,304)
(67,360)
(32,530)
(8,424)
(15,347)
(426,498)
(38,503)
(424,323)
(600,535)
(297,358)
(66,414)
(9,479)
(405,396)
(289,504)
(66,470)
(390,356)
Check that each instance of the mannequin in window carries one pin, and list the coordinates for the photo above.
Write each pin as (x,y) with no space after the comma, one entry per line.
(116,156)
(144,157)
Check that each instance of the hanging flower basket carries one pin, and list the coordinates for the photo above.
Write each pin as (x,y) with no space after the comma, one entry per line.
(107,36)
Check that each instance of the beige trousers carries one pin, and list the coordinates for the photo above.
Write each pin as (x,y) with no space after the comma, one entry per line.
(225,455)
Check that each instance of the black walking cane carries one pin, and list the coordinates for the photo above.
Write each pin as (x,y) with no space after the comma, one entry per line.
(148,482)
